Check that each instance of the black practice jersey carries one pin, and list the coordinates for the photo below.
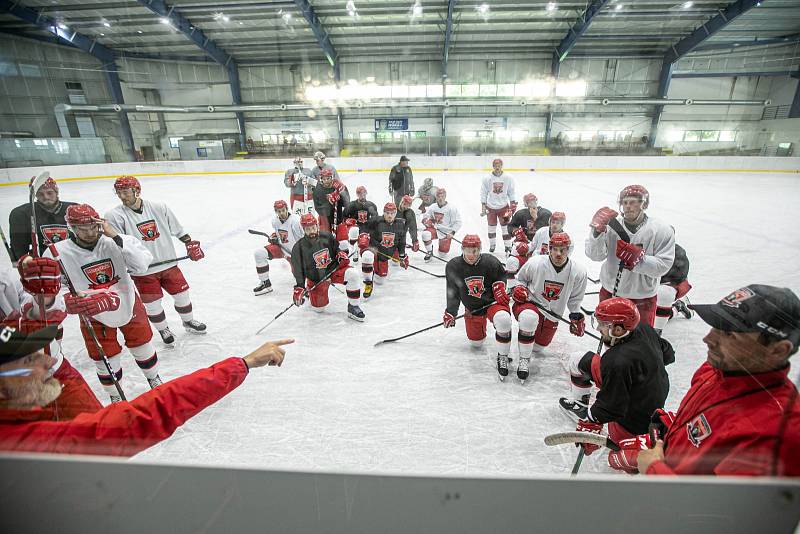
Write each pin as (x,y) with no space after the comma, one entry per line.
(634,382)
(52,227)
(361,212)
(411,222)
(314,258)
(387,237)
(323,205)
(680,268)
(472,284)
(523,218)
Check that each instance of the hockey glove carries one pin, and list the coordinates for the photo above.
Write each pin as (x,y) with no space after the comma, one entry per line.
(350,222)
(584,425)
(415,246)
(499,292)
(333,198)
(520,235)
(629,254)
(448,320)
(601,219)
(40,276)
(274,239)
(660,422)
(194,251)
(363,241)
(484,211)
(343,259)
(522,249)
(404,261)
(299,296)
(520,294)
(625,459)
(291,180)
(577,324)
(92,304)
(28,324)
(513,207)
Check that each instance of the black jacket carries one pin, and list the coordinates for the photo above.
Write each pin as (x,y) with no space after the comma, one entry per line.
(411,222)
(325,208)
(680,268)
(523,218)
(314,259)
(361,212)
(387,237)
(471,285)
(52,227)
(402,180)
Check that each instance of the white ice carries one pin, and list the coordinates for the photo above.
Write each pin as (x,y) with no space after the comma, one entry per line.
(428,404)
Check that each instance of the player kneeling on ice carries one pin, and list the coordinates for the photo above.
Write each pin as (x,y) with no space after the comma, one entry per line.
(526,222)
(406,212)
(317,262)
(286,231)
(672,290)
(631,378)
(546,286)
(479,282)
(386,241)
(360,211)
(442,220)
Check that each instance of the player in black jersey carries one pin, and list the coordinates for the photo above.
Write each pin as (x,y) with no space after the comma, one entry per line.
(314,257)
(331,197)
(406,212)
(530,219)
(386,240)
(356,215)
(674,286)
(479,282)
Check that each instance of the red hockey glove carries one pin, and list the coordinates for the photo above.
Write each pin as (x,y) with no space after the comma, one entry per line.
(585,425)
(448,320)
(30,320)
(601,218)
(194,251)
(625,459)
(274,239)
(344,260)
(520,294)
(629,254)
(339,186)
(513,207)
(363,241)
(577,324)
(350,222)
(333,198)
(660,422)
(40,276)
(499,292)
(415,246)
(520,235)
(299,296)
(291,180)
(404,261)
(522,249)
(92,303)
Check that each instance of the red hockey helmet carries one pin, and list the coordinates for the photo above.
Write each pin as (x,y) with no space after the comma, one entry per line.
(637,191)
(530,197)
(308,220)
(78,214)
(558,216)
(280,204)
(390,206)
(560,239)
(618,311)
(48,185)
(496,161)
(406,200)
(327,172)
(471,241)
(127,182)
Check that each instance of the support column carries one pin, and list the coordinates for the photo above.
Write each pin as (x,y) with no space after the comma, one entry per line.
(115,88)
(664,80)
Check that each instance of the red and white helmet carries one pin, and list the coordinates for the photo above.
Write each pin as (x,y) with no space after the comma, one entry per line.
(327,172)
(307,220)
(637,191)
(48,185)
(560,239)
(471,241)
(618,311)
(390,207)
(530,197)
(79,214)
(280,204)
(558,216)
(361,191)
(318,155)
(127,182)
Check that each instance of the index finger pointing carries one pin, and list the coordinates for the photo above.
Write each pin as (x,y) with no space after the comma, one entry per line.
(287,341)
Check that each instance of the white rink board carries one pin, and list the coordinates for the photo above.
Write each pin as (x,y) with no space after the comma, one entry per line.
(429,404)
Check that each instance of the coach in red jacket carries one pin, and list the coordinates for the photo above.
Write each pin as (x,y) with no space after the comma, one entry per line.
(741,415)
(122,429)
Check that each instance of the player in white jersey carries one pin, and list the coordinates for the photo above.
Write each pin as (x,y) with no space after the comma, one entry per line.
(97,259)
(641,262)
(498,202)
(541,239)
(441,221)
(547,285)
(154,224)
(294,180)
(286,231)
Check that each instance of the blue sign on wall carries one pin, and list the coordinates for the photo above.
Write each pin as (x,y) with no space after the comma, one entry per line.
(391,124)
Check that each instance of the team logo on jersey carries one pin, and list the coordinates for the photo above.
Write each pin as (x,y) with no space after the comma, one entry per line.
(438,217)
(283,235)
(698,429)
(387,239)
(497,187)
(322,258)
(735,299)
(149,230)
(100,274)
(475,287)
(362,216)
(53,233)
(552,290)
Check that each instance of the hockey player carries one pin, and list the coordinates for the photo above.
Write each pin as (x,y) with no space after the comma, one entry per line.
(405,212)
(50,212)
(154,224)
(294,180)
(674,286)
(547,285)
(642,261)
(427,194)
(331,197)
(286,231)
(97,260)
(441,221)
(387,240)
(630,375)
(359,210)
(541,239)
(316,256)
(478,281)
(319,158)
(498,202)
(526,222)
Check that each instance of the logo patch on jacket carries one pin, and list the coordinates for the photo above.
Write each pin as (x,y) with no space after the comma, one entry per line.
(475,287)
(53,233)
(497,187)
(283,235)
(100,274)
(362,216)
(698,429)
(735,299)
(552,290)
(149,230)
(387,239)
(322,258)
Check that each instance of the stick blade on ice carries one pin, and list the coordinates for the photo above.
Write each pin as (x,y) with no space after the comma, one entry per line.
(563,438)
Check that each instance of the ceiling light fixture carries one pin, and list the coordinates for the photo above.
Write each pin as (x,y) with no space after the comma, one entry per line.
(416,9)
(687,5)
(164,21)
(138,31)
(483,9)
(62,26)
(551,6)
(106,24)
(619,7)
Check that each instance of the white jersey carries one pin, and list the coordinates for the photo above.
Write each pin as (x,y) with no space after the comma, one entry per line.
(658,241)
(498,191)
(154,227)
(445,218)
(551,290)
(541,242)
(289,231)
(106,267)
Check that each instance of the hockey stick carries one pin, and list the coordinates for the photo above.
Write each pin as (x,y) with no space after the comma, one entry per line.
(547,313)
(444,234)
(88,324)
(33,187)
(563,438)
(592,280)
(413,267)
(156,264)
(432,254)
(5,244)
(268,236)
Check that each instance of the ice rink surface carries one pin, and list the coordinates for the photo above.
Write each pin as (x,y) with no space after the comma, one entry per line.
(429,404)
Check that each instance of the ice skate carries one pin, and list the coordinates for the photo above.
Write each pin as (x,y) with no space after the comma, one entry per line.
(264,287)
(154,382)
(355,313)
(574,409)
(522,369)
(428,257)
(368,287)
(166,336)
(194,327)
(502,366)
(681,307)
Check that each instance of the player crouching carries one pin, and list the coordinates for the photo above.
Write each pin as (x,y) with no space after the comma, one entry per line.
(385,241)
(316,263)
(441,222)
(286,232)
(478,281)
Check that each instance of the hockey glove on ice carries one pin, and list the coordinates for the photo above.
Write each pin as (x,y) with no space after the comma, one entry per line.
(577,324)
(299,296)
(404,261)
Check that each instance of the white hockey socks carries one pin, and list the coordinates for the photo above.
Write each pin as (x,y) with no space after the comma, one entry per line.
(155,312)
(146,358)
(183,305)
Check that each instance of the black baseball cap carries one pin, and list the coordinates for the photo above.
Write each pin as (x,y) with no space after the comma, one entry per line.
(404,158)
(15,345)
(756,308)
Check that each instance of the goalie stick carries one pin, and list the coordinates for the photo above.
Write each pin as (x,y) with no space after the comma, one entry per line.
(563,438)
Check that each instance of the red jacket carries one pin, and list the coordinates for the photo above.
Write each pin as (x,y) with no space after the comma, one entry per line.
(734,425)
(126,428)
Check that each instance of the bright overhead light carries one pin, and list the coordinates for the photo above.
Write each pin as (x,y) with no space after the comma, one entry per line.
(62,26)
(138,31)
(416,9)
(287,17)
(619,7)
(102,35)
(482,9)
(226,18)
(106,24)
(551,6)
(164,21)
(687,5)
